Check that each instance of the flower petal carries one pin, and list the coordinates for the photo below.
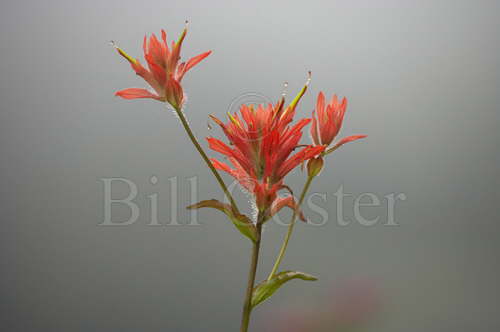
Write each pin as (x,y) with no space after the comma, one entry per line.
(303,155)
(314,130)
(344,141)
(174,93)
(135,93)
(287,201)
(192,62)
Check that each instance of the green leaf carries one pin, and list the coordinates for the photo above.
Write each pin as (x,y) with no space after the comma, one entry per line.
(264,290)
(241,221)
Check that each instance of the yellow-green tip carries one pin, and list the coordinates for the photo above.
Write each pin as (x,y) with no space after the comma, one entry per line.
(122,53)
(183,34)
(297,98)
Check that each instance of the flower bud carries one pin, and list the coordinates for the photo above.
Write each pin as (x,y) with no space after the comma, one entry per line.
(314,166)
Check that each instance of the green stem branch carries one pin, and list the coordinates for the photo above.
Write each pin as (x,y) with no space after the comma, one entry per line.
(290,228)
(198,147)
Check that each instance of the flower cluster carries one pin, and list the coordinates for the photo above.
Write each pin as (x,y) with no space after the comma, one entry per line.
(327,121)
(265,148)
(265,145)
(164,73)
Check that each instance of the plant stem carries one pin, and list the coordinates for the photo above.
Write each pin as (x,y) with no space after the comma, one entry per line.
(198,147)
(247,304)
(290,228)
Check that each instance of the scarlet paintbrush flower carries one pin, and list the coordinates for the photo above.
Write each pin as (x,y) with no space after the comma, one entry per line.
(263,142)
(164,73)
(327,121)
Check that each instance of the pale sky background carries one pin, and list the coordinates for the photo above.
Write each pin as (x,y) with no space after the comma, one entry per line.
(422,79)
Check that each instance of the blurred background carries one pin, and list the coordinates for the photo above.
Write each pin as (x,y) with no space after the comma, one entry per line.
(422,79)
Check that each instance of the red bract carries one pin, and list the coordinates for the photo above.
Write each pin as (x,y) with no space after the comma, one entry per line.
(164,73)
(263,142)
(327,121)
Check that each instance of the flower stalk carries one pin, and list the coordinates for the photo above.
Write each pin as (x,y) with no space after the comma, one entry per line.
(291,226)
(198,147)
(247,304)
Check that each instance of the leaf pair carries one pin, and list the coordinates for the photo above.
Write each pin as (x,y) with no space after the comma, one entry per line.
(267,288)
(241,221)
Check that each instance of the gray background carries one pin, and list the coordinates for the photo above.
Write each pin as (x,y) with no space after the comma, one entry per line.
(422,78)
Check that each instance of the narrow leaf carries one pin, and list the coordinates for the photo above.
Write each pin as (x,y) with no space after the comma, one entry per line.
(268,287)
(241,221)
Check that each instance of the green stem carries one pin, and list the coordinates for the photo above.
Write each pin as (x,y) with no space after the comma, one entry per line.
(247,304)
(198,147)
(290,228)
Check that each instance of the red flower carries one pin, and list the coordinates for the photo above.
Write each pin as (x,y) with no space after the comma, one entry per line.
(164,73)
(263,142)
(327,122)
